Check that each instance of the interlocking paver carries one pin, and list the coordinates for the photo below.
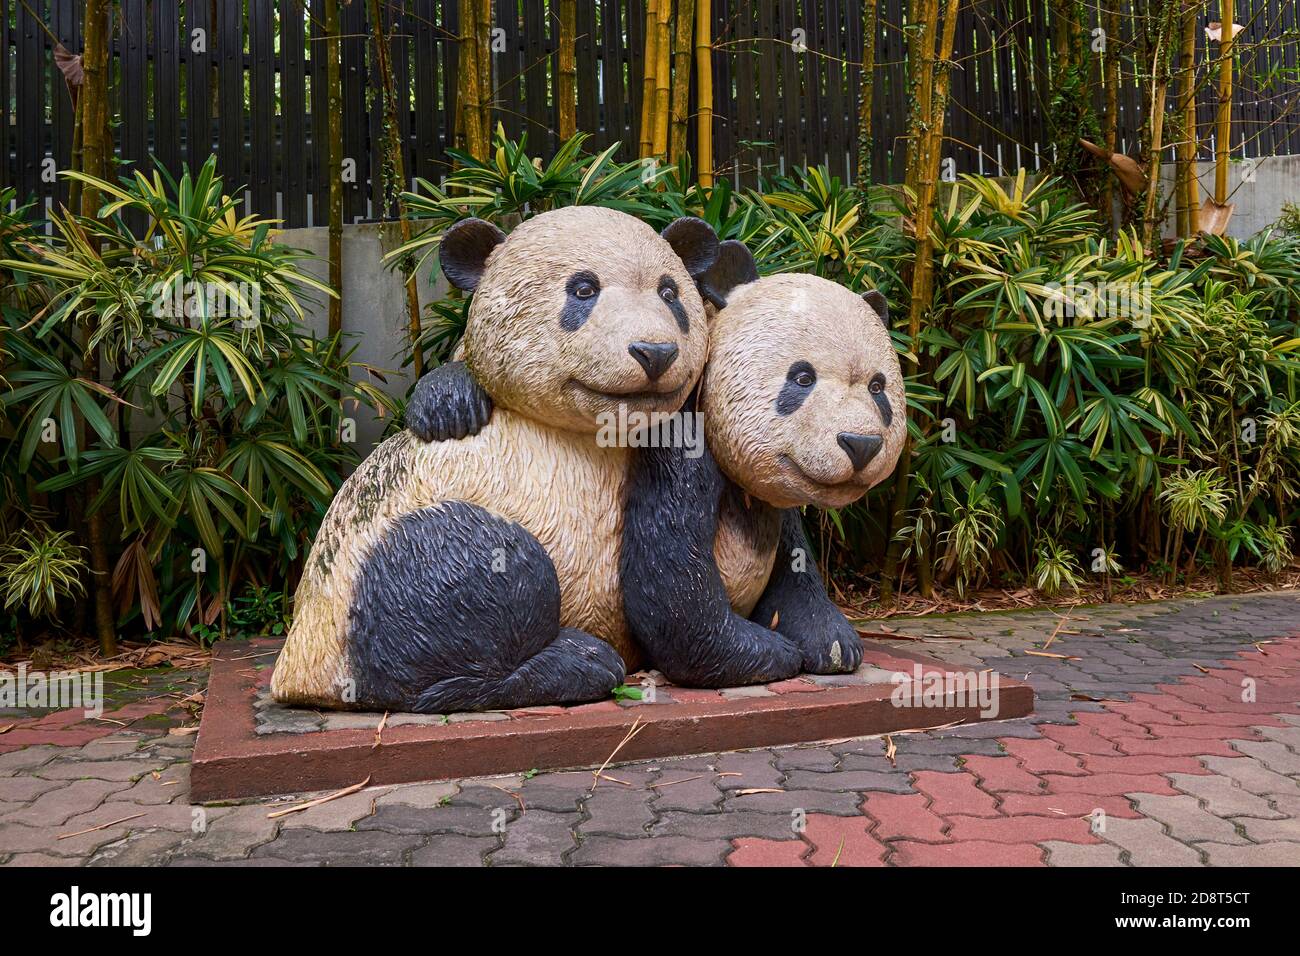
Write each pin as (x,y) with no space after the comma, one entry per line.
(1147,843)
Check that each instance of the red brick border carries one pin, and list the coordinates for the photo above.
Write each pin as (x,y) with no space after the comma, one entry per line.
(232,760)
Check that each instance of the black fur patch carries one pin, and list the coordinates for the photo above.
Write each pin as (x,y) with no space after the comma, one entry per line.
(674,303)
(464,250)
(673,596)
(695,243)
(577,310)
(447,404)
(793,394)
(459,609)
(879,305)
(882,400)
(733,267)
(797,598)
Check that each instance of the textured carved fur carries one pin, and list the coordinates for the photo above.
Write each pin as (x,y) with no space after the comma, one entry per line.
(536,462)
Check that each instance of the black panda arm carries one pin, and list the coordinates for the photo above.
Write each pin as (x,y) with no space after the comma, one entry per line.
(673,597)
(448,403)
(797,600)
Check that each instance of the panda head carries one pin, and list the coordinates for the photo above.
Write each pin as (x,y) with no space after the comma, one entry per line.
(581,310)
(803,397)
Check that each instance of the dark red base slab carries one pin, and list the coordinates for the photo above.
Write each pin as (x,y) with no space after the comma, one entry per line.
(232,760)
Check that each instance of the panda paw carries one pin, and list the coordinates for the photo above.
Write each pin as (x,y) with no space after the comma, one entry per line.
(836,650)
(448,404)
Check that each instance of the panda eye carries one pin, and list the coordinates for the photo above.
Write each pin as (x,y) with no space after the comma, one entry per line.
(877,384)
(583,285)
(584,290)
(805,379)
(668,294)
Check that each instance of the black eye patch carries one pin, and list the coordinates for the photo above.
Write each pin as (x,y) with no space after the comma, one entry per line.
(877,388)
(581,292)
(799,383)
(668,294)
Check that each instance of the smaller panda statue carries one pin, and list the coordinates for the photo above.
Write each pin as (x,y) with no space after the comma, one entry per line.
(798,397)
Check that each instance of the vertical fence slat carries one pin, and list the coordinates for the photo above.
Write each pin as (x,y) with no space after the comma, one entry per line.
(30,107)
(261,105)
(167,86)
(230,96)
(294,183)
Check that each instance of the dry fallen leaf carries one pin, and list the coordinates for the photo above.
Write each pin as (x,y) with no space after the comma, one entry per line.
(747,791)
(890,750)
(346,791)
(1061,657)
(183,731)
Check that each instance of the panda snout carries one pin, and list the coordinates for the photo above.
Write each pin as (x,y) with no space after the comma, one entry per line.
(655,357)
(861,449)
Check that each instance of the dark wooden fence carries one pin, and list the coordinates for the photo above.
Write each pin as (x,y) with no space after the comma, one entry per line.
(245,78)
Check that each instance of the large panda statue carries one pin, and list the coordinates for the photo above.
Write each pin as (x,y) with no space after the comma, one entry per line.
(799,399)
(484,573)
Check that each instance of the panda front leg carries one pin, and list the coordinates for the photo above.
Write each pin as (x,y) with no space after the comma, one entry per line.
(796,599)
(673,597)
(458,609)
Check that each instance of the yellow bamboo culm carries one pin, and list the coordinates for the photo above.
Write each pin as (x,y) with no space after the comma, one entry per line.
(682,77)
(1222,147)
(704,108)
(649,68)
(567,83)
(663,75)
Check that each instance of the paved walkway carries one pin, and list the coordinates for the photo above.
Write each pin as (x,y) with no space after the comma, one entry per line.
(1165,734)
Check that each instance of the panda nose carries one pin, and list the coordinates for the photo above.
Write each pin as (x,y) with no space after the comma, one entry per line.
(654,357)
(860,448)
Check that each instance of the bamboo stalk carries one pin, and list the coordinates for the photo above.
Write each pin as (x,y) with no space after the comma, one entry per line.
(704,106)
(483,54)
(566,85)
(682,78)
(395,180)
(1223,144)
(1156,117)
(866,143)
(471,109)
(648,72)
(95,156)
(663,75)
(1186,185)
(1110,122)
(334,82)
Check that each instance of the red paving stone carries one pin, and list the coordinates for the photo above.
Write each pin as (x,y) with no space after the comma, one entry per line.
(999,775)
(903,815)
(972,853)
(1042,756)
(751,851)
(843,841)
(954,793)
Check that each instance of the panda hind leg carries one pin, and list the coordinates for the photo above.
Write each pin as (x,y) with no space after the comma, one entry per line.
(459,609)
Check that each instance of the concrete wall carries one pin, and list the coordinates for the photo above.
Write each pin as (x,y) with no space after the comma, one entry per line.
(1257,187)
(374,303)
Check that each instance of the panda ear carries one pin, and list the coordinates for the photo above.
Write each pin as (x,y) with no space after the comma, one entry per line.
(734,267)
(465,249)
(695,243)
(879,305)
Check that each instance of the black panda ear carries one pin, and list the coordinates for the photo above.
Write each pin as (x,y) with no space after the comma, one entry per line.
(695,243)
(734,267)
(879,305)
(465,249)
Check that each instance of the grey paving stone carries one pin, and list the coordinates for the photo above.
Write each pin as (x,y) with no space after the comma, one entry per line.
(537,838)
(347,848)
(1185,818)
(1147,844)
(618,810)
(650,851)
(726,826)
(810,801)
(464,820)
(54,807)
(853,780)
(1079,854)
(449,849)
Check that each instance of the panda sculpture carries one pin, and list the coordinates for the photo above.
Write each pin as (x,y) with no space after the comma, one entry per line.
(484,573)
(802,400)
